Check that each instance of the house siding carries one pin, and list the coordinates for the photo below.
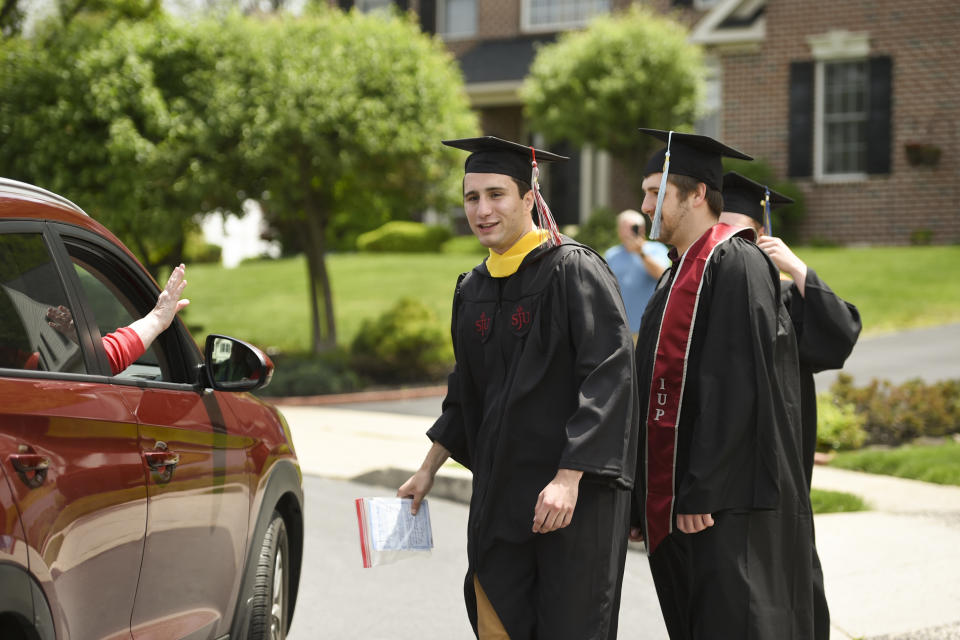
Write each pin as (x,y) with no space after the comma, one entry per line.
(922,39)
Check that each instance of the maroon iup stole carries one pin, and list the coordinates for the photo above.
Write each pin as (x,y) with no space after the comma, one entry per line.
(669,375)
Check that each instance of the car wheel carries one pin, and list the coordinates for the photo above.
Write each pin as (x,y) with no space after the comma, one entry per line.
(268,613)
(13,628)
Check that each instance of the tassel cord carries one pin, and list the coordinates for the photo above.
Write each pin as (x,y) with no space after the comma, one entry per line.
(545,218)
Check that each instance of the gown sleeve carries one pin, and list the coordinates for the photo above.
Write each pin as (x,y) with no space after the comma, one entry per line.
(449,430)
(827,326)
(731,460)
(601,434)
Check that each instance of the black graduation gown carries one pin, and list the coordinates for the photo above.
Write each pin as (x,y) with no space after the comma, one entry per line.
(738,457)
(543,380)
(827,328)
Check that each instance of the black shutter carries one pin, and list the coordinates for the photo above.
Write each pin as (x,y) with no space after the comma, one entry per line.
(345,4)
(800,126)
(879,124)
(428,16)
(403,5)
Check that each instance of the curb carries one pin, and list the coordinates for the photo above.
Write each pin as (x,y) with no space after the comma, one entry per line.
(376,395)
(455,488)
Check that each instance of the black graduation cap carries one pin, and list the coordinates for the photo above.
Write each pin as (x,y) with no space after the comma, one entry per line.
(490,154)
(687,154)
(692,155)
(743,195)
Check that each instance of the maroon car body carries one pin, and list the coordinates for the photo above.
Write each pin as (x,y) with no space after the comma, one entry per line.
(136,505)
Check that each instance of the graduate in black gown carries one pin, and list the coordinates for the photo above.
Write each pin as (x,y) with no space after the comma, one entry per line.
(542,408)
(721,499)
(826,326)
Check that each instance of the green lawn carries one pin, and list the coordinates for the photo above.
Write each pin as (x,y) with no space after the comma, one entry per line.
(824,501)
(930,463)
(265,302)
(893,287)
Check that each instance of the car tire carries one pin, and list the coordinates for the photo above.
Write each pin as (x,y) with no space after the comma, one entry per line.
(14,628)
(269,606)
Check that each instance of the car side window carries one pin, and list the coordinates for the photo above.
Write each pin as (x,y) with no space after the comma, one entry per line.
(36,326)
(112,308)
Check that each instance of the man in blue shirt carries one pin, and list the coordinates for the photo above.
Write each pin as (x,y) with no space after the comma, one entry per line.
(638,263)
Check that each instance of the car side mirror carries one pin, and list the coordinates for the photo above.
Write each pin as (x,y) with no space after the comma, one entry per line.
(234,365)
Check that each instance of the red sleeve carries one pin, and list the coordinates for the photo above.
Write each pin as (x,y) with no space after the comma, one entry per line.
(123,347)
(33,361)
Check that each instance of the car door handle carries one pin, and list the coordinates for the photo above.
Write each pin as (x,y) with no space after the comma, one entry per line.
(31,468)
(162,461)
(157,460)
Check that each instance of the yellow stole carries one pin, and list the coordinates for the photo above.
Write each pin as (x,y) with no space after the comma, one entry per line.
(501,265)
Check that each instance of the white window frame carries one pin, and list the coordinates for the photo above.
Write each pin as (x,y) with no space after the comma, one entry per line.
(707,31)
(442,23)
(831,47)
(714,74)
(527,27)
(594,181)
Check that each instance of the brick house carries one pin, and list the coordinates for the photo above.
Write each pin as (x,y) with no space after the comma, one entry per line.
(857,101)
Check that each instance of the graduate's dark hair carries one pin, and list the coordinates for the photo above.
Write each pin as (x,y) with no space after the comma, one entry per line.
(522,186)
(687,186)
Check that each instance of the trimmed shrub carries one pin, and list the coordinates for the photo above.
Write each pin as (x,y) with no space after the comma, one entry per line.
(196,250)
(599,232)
(403,236)
(897,414)
(839,426)
(921,237)
(404,344)
(308,374)
(205,253)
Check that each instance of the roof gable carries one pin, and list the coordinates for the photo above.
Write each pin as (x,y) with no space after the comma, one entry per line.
(732,21)
(503,59)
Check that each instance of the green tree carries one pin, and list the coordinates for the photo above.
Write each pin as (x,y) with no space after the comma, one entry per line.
(347,129)
(111,10)
(12,13)
(59,14)
(120,120)
(627,70)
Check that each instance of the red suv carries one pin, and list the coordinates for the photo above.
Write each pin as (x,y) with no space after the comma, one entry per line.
(161,502)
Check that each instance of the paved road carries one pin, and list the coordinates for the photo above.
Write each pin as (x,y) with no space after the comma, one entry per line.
(415,599)
(932,354)
(875,590)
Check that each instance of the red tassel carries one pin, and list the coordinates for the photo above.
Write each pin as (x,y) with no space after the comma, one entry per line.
(545,218)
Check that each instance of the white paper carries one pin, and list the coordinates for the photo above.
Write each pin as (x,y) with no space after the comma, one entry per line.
(393,528)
